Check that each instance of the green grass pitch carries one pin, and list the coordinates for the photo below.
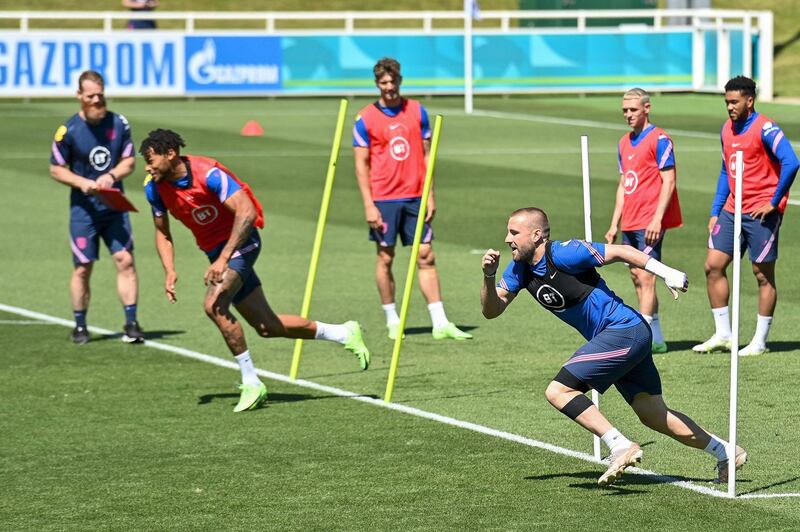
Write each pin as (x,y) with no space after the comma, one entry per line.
(111,436)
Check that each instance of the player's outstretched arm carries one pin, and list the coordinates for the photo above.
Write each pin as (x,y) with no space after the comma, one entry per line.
(166,252)
(494,300)
(675,280)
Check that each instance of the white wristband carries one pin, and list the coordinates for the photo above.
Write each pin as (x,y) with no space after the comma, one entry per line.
(674,278)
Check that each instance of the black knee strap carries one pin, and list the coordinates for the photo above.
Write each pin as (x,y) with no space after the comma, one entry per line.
(571,381)
(576,406)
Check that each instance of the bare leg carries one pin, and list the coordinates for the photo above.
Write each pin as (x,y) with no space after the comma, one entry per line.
(256,311)
(79,286)
(383,274)
(217,306)
(767,291)
(127,283)
(591,419)
(645,284)
(427,274)
(717,278)
(654,413)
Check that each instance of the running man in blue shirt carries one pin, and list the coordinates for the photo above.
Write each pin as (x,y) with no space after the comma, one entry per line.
(93,150)
(562,277)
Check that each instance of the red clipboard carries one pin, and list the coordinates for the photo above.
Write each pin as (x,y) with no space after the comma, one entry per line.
(115,199)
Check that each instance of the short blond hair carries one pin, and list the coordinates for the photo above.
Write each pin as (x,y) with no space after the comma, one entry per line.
(637,94)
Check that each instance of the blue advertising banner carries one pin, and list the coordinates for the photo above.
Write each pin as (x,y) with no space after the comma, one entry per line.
(233,65)
(178,64)
(503,62)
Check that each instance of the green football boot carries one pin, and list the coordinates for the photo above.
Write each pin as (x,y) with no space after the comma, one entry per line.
(252,396)
(393,330)
(659,348)
(450,331)
(355,343)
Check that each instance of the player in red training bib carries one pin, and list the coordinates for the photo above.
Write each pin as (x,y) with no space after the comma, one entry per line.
(647,199)
(770,166)
(224,217)
(391,139)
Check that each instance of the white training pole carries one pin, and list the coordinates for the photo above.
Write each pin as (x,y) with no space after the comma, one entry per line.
(737,267)
(587,228)
(468,56)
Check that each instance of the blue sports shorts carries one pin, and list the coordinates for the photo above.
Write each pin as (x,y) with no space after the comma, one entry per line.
(636,239)
(622,357)
(761,240)
(86,229)
(399,217)
(243,263)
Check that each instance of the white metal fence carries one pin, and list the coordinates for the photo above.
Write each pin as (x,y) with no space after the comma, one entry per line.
(720,23)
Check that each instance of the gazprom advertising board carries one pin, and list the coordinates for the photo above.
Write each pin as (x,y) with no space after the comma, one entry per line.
(160,63)
(133,64)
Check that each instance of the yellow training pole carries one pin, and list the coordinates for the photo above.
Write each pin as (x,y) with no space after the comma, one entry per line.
(412,263)
(323,215)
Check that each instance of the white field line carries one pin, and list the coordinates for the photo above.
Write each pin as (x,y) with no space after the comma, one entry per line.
(559,121)
(24,322)
(226,363)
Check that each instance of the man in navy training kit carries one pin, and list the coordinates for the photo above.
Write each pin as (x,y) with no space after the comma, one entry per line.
(561,276)
(94,150)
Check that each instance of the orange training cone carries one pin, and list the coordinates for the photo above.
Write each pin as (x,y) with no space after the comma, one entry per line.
(252,129)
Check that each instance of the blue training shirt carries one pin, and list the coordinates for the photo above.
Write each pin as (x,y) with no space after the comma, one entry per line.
(91,151)
(783,152)
(601,309)
(361,136)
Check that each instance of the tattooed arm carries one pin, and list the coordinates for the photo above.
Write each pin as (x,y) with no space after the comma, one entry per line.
(244,217)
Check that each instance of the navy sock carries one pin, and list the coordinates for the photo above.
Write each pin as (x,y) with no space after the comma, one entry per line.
(80,317)
(130,312)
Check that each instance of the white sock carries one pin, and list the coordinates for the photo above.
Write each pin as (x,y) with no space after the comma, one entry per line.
(763,324)
(614,440)
(655,326)
(722,322)
(391,314)
(248,370)
(717,447)
(438,317)
(335,332)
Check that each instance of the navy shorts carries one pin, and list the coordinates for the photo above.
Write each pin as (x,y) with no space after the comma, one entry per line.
(636,239)
(621,357)
(760,239)
(399,217)
(243,262)
(86,230)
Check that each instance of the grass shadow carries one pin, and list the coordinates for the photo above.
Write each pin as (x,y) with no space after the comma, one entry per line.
(768,486)
(148,335)
(429,330)
(273,397)
(774,347)
(625,486)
